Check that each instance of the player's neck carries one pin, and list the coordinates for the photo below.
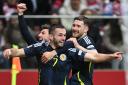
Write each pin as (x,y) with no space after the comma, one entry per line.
(85,34)
(52,45)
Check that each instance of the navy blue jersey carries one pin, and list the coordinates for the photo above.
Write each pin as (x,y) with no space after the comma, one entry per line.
(56,71)
(27,36)
(25,31)
(82,71)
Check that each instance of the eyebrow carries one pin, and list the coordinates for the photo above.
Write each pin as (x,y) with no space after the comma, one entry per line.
(61,33)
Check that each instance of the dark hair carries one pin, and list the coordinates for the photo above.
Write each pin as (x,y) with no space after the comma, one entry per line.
(45,26)
(54,26)
(84,19)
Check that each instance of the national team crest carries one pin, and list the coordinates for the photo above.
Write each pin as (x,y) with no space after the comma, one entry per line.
(63,57)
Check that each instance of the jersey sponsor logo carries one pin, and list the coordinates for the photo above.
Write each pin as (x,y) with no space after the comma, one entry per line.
(63,57)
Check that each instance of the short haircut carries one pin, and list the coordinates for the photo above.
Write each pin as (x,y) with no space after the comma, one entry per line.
(84,19)
(54,26)
(45,26)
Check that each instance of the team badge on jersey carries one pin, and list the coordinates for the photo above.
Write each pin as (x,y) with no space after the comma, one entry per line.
(63,57)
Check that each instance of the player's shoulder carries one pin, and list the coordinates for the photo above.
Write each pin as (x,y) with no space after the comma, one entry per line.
(86,39)
(38,44)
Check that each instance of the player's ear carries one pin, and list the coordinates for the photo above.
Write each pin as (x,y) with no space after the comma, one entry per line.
(50,36)
(86,28)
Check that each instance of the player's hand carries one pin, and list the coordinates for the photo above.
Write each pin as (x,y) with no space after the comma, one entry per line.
(47,56)
(74,40)
(21,7)
(6,53)
(118,55)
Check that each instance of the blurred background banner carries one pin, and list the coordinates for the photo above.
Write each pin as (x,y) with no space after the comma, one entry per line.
(26,77)
(30,77)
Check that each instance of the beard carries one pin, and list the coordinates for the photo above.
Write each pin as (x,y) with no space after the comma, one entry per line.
(75,35)
(58,44)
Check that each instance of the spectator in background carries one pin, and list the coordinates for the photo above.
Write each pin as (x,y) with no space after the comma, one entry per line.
(13,35)
(70,7)
(39,7)
(112,35)
(112,39)
(93,5)
(124,30)
(88,12)
(9,8)
(56,5)
(54,20)
(107,8)
(116,8)
(4,63)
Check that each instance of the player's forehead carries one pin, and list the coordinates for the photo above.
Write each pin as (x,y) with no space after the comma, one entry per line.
(60,31)
(44,30)
(78,22)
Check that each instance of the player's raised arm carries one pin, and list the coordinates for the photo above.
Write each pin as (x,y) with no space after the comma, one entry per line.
(21,8)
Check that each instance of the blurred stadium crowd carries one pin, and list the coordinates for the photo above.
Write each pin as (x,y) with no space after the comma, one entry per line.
(108,31)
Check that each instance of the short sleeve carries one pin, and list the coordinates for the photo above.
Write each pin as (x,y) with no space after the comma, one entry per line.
(35,49)
(75,54)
